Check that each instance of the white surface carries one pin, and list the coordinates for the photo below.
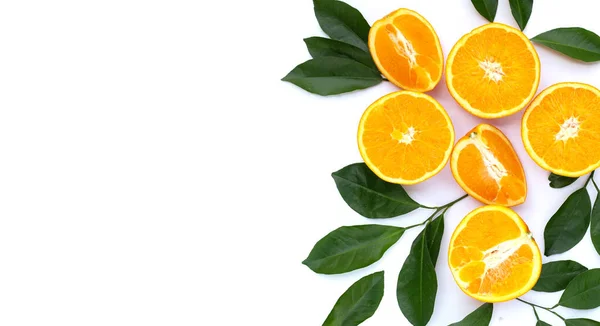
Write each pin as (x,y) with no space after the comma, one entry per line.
(155,171)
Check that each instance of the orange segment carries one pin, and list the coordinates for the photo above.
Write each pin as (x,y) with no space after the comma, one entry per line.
(561,129)
(494,71)
(405,137)
(407,50)
(487,167)
(492,255)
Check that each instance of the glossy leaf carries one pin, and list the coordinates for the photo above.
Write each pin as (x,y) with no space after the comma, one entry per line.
(542,323)
(480,317)
(343,22)
(417,283)
(358,303)
(556,275)
(575,42)
(331,75)
(581,322)
(370,196)
(351,247)
(595,224)
(324,47)
(559,181)
(521,11)
(435,232)
(568,225)
(486,8)
(583,292)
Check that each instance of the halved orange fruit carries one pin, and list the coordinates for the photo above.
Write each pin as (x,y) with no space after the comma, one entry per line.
(561,129)
(493,256)
(405,137)
(407,50)
(487,167)
(493,72)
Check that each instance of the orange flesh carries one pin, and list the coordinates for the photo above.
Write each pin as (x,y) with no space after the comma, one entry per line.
(407,50)
(546,119)
(389,144)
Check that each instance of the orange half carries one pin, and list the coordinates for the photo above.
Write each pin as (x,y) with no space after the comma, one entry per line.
(561,129)
(493,72)
(486,166)
(407,50)
(493,256)
(405,137)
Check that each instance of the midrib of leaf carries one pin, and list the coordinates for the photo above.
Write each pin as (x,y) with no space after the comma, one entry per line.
(347,27)
(345,316)
(342,77)
(421,274)
(375,192)
(519,10)
(489,13)
(565,45)
(582,293)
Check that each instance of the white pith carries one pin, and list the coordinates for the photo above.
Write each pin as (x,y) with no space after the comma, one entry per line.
(569,129)
(493,70)
(494,167)
(408,136)
(402,46)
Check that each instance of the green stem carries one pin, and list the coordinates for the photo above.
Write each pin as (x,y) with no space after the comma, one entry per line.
(438,209)
(385,79)
(590,178)
(450,204)
(424,222)
(595,186)
(535,313)
(547,309)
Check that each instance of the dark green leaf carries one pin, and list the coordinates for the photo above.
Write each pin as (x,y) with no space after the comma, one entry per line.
(331,75)
(486,8)
(358,303)
(542,323)
(351,247)
(578,43)
(480,317)
(595,228)
(583,292)
(342,22)
(435,232)
(581,322)
(324,47)
(559,181)
(417,283)
(521,10)
(568,225)
(556,275)
(370,196)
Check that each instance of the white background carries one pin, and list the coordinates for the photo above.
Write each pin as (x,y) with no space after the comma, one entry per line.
(155,170)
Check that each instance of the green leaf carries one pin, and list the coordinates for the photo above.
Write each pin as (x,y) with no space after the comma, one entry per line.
(351,247)
(521,11)
(324,47)
(435,232)
(556,275)
(595,228)
(480,317)
(486,8)
(370,196)
(342,22)
(358,303)
(559,181)
(331,75)
(542,323)
(568,225)
(583,292)
(581,322)
(417,283)
(578,43)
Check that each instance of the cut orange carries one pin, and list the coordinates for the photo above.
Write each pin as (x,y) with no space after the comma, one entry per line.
(561,129)
(407,50)
(492,255)
(405,137)
(493,72)
(487,167)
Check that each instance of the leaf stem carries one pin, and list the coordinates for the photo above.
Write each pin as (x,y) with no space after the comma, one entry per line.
(450,204)
(596,186)
(438,209)
(535,313)
(385,79)
(547,309)
(590,178)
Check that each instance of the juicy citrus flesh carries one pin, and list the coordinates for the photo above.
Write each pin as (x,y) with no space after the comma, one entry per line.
(407,50)
(405,137)
(494,71)
(561,129)
(486,166)
(493,256)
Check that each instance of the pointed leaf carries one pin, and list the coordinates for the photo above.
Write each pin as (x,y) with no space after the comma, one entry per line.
(351,247)
(331,75)
(595,228)
(559,181)
(370,196)
(583,292)
(578,43)
(581,322)
(521,11)
(417,283)
(324,47)
(556,275)
(486,8)
(358,303)
(343,22)
(435,232)
(480,317)
(568,225)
